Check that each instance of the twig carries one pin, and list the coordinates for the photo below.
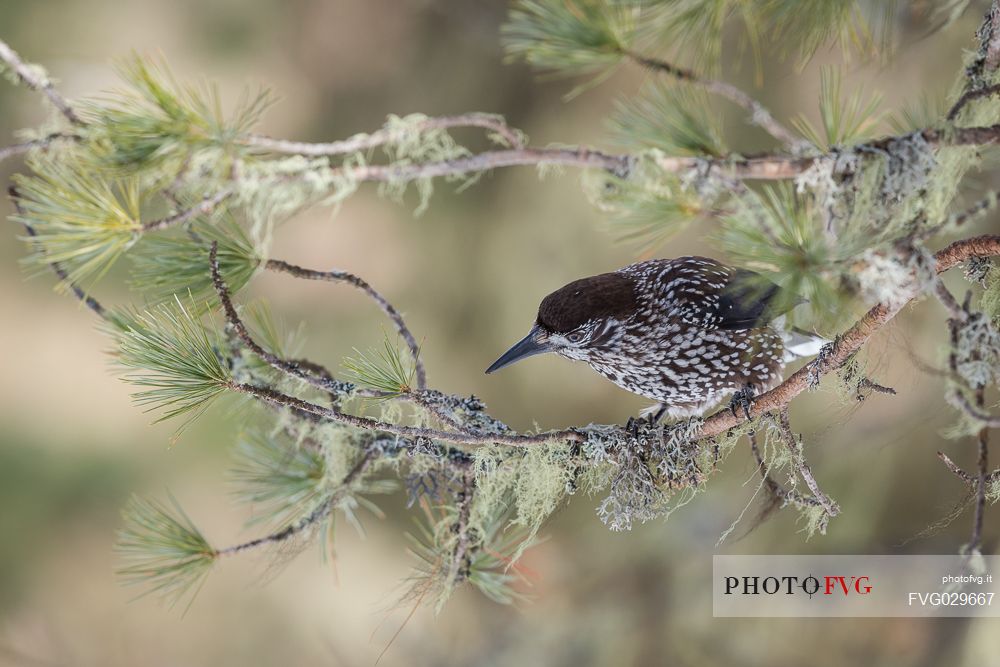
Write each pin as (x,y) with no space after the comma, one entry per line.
(204,207)
(953,467)
(24,147)
(277,398)
(969,96)
(773,487)
(390,311)
(759,115)
(319,514)
(960,402)
(847,343)
(785,427)
(868,383)
(949,301)
(459,564)
(273,397)
(35,79)
(324,381)
(982,462)
(762,167)
(991,36)
(364,142)
(57,268)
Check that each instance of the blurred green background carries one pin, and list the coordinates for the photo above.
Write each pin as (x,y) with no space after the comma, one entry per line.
(468,274)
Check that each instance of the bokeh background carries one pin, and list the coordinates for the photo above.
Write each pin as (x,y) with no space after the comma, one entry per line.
(468,274)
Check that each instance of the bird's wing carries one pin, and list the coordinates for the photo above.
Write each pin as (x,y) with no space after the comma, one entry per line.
(702,292)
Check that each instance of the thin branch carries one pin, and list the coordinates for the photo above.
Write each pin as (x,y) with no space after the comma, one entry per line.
(949,301)
(319,514)
(761,167)
(759,115)
(277,398)
(336,276)
(785,427)
(273,397)
(57,268)
(990,33)
(35,79)
(837,353)
(204,207)
(953,467)
(960,402)
(459,565)
(774,488)
(24,147)
(982,467)
(969,96)
(324,381)
(363,142)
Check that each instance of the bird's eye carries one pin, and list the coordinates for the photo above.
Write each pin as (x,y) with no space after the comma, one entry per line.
(574,337)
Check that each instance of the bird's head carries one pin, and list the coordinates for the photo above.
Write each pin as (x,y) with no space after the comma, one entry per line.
(576,319)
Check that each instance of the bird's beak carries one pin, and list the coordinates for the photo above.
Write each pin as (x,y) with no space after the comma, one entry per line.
(534,343)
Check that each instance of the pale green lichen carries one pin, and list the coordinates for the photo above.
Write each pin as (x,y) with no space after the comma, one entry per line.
(413,144)
(273,190)
(977,351)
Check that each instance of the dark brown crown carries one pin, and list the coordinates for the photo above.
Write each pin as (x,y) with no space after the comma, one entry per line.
(605,295)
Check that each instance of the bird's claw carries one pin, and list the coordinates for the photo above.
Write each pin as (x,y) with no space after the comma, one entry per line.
(744,398)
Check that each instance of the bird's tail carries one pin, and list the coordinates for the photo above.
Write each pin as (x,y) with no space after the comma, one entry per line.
(798,342)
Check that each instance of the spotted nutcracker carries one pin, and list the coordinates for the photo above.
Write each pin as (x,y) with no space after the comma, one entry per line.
(685,332)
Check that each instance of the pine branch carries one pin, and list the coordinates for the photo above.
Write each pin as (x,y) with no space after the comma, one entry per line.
(36,79)
(459,567)
(356,281)
(27,146)
(319,514)
(771,166)
(363,142)
(759,115)
(982,467)
(277,398)
(970,96)
(290,368)
(801,466)
(845,345)
(961,402)
(56,267)
(204,207)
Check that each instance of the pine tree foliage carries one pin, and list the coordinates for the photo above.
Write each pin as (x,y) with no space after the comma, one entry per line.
(163,551)
(679,120)
(155,122)
(844,121)
(79,218)
(193,196)
(174,263)
(384,369)
(173,357)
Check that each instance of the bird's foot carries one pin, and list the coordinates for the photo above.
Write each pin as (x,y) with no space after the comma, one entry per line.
(744,398)
(653,414)
(634,425)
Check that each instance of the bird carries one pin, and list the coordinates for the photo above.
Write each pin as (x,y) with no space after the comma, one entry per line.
(687,333)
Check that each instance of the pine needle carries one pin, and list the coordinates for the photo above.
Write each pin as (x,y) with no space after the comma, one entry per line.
(81,219)
(167,264)
(169,351)
(163,550)
(387,369)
